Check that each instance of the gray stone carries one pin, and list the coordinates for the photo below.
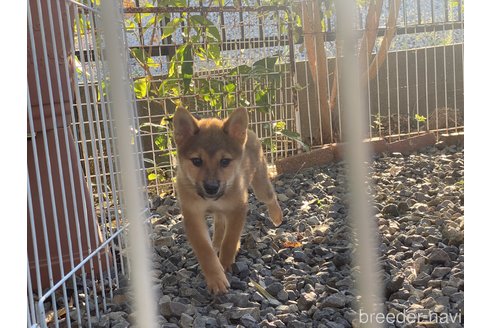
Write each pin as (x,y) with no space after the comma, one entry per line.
(403,207)
(394,284)
(266,324)
(282,295)
(296,324)
(422,279)
(428,302)
(440,272)
(306,300)
(337,300)
(239,267)
(239,284)
(248,321)
(274,288)
(169,325)
(454,235)
(391,210)
(117,315)
(341,259)
(420,207)
(161,241)
(279,324)
(121,324)
(300,256)
(438,256)
(172,309)
(457,297)
(331,324)
(186,320)
(102,322)
(239,299)
(204,321)
(237,313)
(281,309)
(282,197)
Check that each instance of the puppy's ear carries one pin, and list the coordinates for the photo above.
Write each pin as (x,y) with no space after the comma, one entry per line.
(236,125)
(185,125)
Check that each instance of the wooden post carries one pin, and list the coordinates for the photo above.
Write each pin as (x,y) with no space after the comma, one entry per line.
(314,43)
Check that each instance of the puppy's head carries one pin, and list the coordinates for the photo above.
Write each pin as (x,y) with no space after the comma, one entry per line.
(210,150)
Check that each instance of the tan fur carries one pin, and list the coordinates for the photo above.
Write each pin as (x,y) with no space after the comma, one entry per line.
(212,140)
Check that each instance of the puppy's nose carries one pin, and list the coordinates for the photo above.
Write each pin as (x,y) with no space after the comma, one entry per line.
(211,187)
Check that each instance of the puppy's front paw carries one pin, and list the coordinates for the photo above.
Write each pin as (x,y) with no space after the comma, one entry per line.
(217,282)
(275,213)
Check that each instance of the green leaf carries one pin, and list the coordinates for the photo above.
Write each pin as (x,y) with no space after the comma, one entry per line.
(169,87)
(79,68)
(161,142)
(230,87)
(240,70)
(176,61)
(171,3)
(152,176)
(148,160)
(129,25)
(279,126)
(139,55)
(151,62)
(420,118)
(213,51)
(210,28)
(82,24)
(261,99)
(171,27)
(141,87)
(200,52)
(103,89)
(270,144)
(294,136)
(268,63)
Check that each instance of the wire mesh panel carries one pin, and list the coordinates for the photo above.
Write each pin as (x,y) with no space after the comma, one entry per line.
(76,213)
(211,59)
(411,56)
(282,62)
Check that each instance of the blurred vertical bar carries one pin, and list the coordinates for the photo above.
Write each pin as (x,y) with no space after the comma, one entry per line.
(123,112)
(357,155)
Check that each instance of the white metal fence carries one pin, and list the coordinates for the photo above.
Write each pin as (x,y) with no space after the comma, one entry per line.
(77,216)
(413,50)
(77,213)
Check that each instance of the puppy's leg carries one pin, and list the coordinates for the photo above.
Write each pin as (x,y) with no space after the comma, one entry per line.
(263,190)
(197,234)
(219,230)
(234,224)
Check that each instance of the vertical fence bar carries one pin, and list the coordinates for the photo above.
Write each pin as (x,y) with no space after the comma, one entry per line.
(357,155)
(119,86)
(78,118)
(445,68)
(45,144)
(84,148)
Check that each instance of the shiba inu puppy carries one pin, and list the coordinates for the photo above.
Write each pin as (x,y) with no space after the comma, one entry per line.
(217,161)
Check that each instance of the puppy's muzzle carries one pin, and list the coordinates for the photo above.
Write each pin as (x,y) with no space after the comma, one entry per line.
(211,188)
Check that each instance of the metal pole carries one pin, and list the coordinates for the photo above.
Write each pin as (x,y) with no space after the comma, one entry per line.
(121,103)
(357,155)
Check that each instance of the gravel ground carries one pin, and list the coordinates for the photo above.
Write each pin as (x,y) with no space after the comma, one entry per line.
(305,264)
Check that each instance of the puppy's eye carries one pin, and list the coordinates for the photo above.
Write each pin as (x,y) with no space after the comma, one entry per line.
(197,161)
(225,162)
